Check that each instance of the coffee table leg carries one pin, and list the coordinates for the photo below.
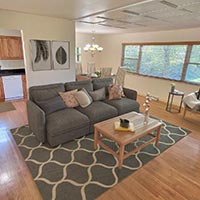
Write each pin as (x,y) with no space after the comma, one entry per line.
(95,138)
(121,156)
(158,135)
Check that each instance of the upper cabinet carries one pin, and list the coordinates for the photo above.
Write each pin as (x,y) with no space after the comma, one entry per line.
(11,48)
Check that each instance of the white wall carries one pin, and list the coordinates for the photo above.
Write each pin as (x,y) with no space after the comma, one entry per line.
(111,56)
(41,27)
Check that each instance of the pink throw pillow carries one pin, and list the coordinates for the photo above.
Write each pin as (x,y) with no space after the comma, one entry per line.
(115,92)
(69,99)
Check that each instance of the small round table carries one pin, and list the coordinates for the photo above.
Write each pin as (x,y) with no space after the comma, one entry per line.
(171,98)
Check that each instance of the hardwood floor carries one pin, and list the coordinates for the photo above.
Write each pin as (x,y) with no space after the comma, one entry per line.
(16,182)
(175,174)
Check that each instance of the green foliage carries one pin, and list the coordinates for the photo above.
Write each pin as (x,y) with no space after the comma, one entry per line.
(164,61)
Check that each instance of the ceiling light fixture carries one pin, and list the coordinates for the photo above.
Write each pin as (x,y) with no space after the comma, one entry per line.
(93,47)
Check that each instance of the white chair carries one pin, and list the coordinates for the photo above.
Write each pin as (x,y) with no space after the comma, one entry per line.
(79,69)
(120,76)
(91,68)
(106,72)
(191,104)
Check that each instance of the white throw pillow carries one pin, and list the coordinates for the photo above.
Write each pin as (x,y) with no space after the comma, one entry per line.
(83,98)
(191,101)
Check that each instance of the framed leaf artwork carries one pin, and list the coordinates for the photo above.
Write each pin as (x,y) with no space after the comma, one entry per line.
(60,54)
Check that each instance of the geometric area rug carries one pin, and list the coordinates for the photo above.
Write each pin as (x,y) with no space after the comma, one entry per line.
(75,171)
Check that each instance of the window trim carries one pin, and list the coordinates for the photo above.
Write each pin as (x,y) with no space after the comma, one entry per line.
(185,65)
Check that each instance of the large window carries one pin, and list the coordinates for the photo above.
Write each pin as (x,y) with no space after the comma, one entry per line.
(179,61)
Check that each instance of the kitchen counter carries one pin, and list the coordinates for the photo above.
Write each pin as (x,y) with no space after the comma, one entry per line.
(11,72)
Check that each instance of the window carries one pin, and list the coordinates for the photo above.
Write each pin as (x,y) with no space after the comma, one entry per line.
(78,54)
(163,61)
(130,58)
(179,61)
(193,68)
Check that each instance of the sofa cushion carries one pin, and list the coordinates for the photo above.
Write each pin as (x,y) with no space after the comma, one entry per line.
(98,111)
(124,105)
(87,84)
(69,99)
(44,92)
(51,105)
(83,98)
(98,95)
(64,121)
(102,82)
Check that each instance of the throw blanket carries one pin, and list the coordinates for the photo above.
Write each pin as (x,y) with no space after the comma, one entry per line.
(191,101)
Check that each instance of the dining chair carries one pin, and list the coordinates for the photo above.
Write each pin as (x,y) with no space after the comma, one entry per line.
(106,72)
(192,103)
(79,69)
(120,76)
(91,68)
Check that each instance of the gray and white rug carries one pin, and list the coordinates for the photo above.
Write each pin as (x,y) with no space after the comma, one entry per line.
(74,171)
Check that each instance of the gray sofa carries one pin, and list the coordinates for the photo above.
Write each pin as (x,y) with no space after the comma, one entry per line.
(65,123)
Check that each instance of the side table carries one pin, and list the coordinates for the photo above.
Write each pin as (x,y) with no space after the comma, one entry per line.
(171,98)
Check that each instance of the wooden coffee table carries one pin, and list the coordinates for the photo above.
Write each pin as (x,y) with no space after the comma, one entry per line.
(105,129)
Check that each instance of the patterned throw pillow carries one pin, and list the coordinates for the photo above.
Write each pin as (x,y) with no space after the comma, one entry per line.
(115,92)
(69,99)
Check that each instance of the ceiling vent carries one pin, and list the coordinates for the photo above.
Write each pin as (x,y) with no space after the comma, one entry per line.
(150,17)
(106,18)
(186,10)
(105,25)
(113,26)
(86,22)
(169,4)
(122,21)
(130,12)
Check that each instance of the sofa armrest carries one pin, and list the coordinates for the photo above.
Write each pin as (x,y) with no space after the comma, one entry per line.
(36,120)
(129,93)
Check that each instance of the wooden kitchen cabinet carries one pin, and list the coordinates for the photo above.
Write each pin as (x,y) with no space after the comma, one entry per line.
(11,48)
(2,95)
(24,85)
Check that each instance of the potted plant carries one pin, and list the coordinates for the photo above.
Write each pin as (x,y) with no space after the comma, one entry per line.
(172,87)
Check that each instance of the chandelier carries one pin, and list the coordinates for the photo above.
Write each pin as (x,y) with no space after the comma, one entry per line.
(92,48)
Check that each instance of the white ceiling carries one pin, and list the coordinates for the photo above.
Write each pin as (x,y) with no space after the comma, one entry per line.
(115,16)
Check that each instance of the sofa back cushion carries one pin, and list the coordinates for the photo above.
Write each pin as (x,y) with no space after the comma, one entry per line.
(51,105)
(44,92)
(102,82)
(87,84)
